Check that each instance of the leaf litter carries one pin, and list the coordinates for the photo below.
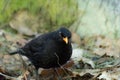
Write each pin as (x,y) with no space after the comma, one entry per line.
(95,58)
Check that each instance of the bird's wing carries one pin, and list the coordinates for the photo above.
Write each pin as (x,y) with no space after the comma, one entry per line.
(35,45)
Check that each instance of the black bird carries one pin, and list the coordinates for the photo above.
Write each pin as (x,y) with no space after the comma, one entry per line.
(50,50)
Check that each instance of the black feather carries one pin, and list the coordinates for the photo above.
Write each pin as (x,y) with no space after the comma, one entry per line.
(48,50)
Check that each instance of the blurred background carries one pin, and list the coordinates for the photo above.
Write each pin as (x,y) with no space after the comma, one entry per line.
(29,17)
(95,27)
(86,18)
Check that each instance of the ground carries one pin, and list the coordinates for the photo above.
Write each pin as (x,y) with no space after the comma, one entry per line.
(93,58)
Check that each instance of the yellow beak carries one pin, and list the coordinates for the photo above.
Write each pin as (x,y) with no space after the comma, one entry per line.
(66,40)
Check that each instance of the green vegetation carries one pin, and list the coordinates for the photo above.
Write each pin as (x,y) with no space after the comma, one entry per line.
(53,13)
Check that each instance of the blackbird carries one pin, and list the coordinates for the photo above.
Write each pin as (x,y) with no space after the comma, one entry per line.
(49,50)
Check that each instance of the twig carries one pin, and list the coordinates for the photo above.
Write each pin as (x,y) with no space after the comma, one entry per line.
(60,65)
(8,77)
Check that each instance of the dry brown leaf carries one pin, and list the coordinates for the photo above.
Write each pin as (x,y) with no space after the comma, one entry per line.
(102,45)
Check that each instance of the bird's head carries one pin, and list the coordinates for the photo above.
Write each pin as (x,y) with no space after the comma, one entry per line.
(64,35)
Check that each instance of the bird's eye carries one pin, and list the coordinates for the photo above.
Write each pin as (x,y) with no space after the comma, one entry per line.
(61,34)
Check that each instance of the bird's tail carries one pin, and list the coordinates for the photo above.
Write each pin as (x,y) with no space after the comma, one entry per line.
(20,51)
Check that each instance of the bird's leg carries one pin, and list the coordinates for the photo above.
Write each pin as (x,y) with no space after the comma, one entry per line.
(59,77)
